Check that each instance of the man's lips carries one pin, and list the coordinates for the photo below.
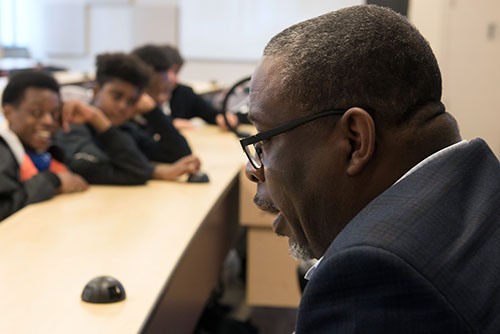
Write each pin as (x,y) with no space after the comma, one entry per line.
(265,205)
(277,224)
(268,206)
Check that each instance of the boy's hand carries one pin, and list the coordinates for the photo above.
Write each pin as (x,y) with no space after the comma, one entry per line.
(78,112)
(189,164)
(145,104)
(181,123)
(71,182)
(231,118)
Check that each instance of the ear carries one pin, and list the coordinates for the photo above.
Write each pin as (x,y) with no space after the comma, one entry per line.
(359,129)
(95,90)
(8,112)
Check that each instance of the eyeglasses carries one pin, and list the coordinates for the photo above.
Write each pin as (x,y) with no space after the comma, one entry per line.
(252,145)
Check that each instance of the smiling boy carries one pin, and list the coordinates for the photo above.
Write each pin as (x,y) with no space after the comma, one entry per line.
(31,168)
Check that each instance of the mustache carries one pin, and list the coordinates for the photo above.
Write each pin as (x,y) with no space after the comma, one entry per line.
(265,204)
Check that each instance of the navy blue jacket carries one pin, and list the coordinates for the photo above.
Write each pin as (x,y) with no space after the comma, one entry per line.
(422,257)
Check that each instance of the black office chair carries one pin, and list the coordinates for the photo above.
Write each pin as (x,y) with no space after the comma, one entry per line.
(236,101)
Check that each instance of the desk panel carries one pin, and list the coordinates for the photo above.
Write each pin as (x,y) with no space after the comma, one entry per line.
(271,270)
(185,294)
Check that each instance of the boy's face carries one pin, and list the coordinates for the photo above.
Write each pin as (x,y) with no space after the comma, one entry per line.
(173,75)
(159,87)
(117,99)
(36,118)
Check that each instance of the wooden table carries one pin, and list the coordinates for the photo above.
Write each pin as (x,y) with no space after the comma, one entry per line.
(164,241)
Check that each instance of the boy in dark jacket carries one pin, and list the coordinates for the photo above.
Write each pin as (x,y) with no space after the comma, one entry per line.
(31,168)
(154,131)
(164,88)
(97,148)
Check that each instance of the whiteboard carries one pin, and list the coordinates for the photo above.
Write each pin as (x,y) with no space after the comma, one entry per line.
(64,29)
(240,29)
(110,28)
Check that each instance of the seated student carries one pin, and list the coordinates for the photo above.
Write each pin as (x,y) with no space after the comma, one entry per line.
(98,149)
(183,101)
(30,166)
(153,131)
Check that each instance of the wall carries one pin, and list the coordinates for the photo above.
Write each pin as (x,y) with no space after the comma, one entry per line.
(219,24)
(72,41)
(75,31)
(239,30)
(466,38)
(223,39)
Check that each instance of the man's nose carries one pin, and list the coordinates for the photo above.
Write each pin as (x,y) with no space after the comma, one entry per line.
(254,175)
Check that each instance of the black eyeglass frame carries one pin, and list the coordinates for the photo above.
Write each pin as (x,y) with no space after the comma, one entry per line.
(252,140)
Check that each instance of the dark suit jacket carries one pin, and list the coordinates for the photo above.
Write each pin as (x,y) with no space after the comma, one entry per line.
(423,257)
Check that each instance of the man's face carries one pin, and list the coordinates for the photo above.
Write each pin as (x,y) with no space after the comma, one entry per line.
(159,87)
(117,99)
(36,118)
(301,176)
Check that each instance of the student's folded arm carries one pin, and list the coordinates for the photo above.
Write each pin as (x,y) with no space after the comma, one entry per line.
(203,109)
(14,194)
(188,104)
(41,187)
(115,160)
(170,145)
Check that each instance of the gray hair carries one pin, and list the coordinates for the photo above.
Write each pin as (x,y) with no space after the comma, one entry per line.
(365,56)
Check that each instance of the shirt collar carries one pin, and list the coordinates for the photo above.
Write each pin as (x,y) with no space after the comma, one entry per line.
(311,270)
(433,157)
(13,142)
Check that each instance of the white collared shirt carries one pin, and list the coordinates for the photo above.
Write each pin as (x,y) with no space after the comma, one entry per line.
(13,142)
(311,270)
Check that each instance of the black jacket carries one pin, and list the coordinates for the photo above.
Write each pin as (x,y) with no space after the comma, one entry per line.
(15,194)
(185,103)
(422,257)
(111,157)
(157,138)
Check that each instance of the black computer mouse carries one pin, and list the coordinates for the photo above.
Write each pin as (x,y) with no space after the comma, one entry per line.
(102,290)
(199,177)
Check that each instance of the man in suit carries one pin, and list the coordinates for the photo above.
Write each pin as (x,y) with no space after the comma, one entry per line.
(368,174)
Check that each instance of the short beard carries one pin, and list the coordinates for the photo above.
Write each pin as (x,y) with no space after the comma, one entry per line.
(299,252)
